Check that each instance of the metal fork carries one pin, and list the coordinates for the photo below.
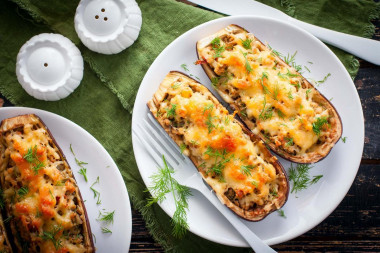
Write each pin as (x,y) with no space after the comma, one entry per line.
(158,143)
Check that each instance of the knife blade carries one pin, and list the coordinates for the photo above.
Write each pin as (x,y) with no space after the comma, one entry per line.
(366,49)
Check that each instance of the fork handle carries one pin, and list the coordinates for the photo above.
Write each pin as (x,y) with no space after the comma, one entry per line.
(255,242)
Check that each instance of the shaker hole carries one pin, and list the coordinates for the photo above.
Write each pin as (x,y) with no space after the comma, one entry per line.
(96,17)
(45,64)
(105,18)
(103,10)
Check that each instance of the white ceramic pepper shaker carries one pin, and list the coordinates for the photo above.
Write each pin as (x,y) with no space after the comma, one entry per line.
(49,67)
(108,26)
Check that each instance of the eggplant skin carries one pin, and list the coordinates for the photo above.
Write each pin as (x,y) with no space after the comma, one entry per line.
(256,214)
(23,239)
(320,151)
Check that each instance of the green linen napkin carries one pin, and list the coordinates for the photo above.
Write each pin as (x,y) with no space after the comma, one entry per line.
(104,100)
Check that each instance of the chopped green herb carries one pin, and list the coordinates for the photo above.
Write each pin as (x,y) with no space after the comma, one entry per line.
(254,182)
(214,81)
(266,113)
(184,66)
(289,141)
(23,191)
(221,159)
(246,43)
(217,47)
(183,147)
(280,113)
(274,52)
(281,213)
(96,193)
(83,171)
(246,169)
(308,70)
(318,124)
(324,79)
(209,123)
(107,217)
(106,230)
(344,139)
(316,179)
(8,219)
(275,92)
(176,85)
(247,65)
(307,93)
(289,74)
(194,142)
(208,107)
(32,158)
(226,120)
(52,236)
(274,193)
(171,111)
(290,95)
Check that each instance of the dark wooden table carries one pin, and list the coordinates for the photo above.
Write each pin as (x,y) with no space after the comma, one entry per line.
(355,224)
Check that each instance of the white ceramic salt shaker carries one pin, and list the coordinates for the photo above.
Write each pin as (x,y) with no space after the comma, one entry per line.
(49,67)
(108,26)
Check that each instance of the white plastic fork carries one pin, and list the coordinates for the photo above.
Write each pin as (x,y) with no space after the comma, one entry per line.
(158,143)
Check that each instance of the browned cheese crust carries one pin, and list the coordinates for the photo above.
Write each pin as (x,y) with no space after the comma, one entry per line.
(43,203)
(261,87)
(220,147)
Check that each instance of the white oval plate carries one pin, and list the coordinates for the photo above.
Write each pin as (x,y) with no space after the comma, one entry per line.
(113,193)
(305,209)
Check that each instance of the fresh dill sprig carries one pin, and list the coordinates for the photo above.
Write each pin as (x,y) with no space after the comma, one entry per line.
(182,147)
(281,213)
(289,141)
(209,122)
(246,43)
(52,236)
(23,191)
(184,66)
(316,179)
(106,230)
(318,124)
(221,158)
(324,79)
(96,193)
(246,169)
(299,175)
(83,171)
(247,65)
(164,183)
(32,158)
(107,217)
(217,47)
(171,111)
(344,139)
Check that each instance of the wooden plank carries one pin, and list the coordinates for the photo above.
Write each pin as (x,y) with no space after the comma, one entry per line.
(367,84)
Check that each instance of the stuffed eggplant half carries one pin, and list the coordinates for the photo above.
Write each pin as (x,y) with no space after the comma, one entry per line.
(275,101)
(43,206)
(234,162)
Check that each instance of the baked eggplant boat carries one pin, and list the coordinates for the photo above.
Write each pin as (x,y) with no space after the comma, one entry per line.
(42,200)
(236,164)
(275,101)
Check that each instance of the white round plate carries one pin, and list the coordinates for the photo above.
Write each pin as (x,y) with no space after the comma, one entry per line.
(305,209)
(113,193)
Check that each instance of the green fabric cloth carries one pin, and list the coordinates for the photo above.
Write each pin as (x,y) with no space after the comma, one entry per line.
(102,104)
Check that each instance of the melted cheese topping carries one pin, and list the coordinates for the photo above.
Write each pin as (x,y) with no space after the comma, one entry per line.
(227,157)
(39,191)
(270,94)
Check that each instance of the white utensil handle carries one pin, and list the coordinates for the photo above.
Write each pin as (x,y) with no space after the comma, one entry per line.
(366,49)
(255,242)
